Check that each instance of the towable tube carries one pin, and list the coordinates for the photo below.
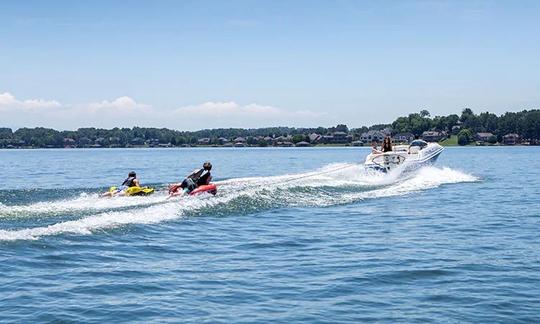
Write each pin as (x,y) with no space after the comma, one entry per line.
(135,191)
(210,188)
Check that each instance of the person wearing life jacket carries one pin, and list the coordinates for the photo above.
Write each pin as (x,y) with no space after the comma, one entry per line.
(130,181)
(195,179)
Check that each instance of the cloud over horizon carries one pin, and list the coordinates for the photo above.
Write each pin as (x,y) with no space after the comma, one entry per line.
(125,111)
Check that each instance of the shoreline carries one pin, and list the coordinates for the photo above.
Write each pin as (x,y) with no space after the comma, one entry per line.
(237,147)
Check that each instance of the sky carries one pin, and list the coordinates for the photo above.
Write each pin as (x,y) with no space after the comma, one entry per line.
(192,65)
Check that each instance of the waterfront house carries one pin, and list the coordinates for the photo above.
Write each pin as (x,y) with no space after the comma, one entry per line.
(303,144)
(223,141)
(315,138)
(433,136)
(69,142)
(403,138)
(203,141)
(372,135)
(483,137)
(455,129)
(268,140)
(511,139)
(278,141)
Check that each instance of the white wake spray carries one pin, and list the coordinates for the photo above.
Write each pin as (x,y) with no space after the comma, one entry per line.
(352,182)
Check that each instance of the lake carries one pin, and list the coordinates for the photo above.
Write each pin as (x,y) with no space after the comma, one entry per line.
(293,235)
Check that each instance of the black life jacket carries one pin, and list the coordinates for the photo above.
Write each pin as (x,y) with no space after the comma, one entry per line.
(130,182)
(201,177)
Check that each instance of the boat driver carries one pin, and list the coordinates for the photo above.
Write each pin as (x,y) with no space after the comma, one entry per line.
(374,148)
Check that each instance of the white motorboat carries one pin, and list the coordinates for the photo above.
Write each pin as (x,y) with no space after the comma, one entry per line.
(406,157)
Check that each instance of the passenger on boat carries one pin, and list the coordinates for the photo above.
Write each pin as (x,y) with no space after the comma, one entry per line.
(387,144)
(374,148)
(195,179)
(130,181)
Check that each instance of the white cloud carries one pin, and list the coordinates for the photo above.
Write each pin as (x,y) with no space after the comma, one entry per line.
(121,104)
(232,114)
(9,102)
(126,112)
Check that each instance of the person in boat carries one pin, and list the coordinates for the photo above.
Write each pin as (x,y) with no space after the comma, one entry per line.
(374,148)
(197,178)
(387,144)
(130,181)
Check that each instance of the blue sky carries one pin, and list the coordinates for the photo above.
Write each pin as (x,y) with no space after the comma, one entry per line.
(200,64)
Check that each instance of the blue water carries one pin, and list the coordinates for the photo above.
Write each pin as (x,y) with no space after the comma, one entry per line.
(294,235)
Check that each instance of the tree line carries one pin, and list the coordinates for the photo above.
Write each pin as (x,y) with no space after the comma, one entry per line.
(525,123)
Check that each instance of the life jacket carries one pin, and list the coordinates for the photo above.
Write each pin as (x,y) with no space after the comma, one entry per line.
(130,182)
(200,177)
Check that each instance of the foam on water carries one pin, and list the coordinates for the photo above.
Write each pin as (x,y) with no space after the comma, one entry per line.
(82,202)
(331,185)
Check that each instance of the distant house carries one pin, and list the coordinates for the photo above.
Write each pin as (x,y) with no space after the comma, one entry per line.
(339,135)
(278,141)
(511,139)
(456,129)
(136,141)
(114,140)
(315,138)
(372,135)
(240,140)
(357,143)
(223,140)
(483,137)
(268,140)
(433,136)
(69,142)
(203,141)
(336,138)
(403,137)
(153,142)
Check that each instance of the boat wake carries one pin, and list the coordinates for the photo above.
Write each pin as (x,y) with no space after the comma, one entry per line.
(331,185)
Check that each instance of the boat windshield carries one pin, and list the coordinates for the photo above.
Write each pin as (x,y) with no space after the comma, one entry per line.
(419,143)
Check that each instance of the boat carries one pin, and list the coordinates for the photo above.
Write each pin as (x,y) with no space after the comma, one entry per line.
(406,157)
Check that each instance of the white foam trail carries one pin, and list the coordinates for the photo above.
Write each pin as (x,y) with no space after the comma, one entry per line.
(170,210)
(273,190)
(83,202)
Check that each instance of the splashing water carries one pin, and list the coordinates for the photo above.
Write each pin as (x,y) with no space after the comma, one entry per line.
(330,185)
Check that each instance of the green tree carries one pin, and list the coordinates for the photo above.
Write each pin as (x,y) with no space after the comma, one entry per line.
(424,113)
(464,137)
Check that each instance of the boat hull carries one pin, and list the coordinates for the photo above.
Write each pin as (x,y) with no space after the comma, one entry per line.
(405,161)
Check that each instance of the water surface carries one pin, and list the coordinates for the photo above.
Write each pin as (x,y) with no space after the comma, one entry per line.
(293,235)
